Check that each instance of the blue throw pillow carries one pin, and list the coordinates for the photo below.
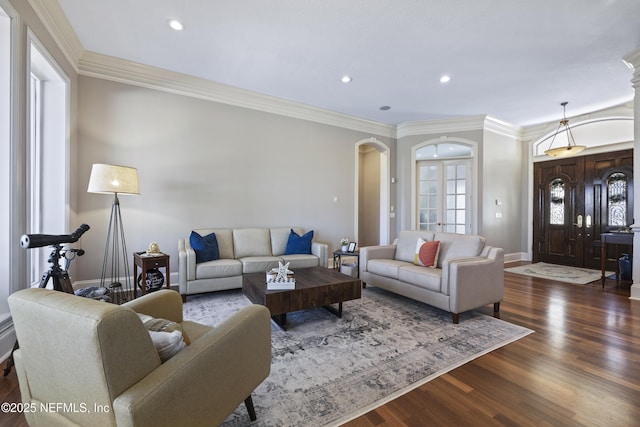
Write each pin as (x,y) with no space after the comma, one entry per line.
(206,248)
(299,244)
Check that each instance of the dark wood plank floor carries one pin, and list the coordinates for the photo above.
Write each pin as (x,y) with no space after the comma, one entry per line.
(581,367)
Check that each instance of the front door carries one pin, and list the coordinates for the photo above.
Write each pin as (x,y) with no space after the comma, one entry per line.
(608,201)
(577,199)
(559,217)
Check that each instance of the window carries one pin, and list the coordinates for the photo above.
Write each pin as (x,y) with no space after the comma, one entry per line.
(456,193)
(47,159)
(428,200)
(444,196)
(556,200)
(617,199)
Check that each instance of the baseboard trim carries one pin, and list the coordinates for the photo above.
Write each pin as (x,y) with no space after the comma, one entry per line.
(516,256)
(7,339)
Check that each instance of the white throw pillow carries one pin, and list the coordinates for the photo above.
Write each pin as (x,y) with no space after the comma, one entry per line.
(165,334)
(167,344)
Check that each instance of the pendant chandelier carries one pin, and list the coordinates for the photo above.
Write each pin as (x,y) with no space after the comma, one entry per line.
(571,148)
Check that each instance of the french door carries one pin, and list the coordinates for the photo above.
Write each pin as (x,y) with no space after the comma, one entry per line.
(444,196)
(576,200)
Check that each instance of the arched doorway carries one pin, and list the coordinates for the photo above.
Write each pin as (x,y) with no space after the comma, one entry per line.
(372,189)
(444,185)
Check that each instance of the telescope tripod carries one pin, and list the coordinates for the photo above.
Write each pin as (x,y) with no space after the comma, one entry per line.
(61,282)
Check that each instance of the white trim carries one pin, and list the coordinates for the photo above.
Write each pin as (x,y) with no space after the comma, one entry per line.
(58,26)
(115,69)
(64,79)
(633,58)
(491,124)
(385,187)
(458,124)
(109,68)
(475,173)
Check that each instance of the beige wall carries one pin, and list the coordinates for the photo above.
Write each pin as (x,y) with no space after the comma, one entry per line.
(502,183)
(205,164)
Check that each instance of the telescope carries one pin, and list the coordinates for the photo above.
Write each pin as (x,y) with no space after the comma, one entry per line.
(28,241)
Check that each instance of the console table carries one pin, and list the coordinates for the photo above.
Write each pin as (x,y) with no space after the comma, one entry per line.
(613,239)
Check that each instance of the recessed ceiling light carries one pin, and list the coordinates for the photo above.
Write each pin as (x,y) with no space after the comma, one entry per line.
(445,79)
(385,108)
(346,79)
(175,24)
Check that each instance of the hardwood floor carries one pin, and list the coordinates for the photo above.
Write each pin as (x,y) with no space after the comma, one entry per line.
(580,367)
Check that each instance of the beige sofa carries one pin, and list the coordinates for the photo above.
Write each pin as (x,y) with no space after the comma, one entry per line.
(242,250)
(468,274)
(83,362)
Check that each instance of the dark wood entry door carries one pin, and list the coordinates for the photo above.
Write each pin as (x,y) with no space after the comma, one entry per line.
(559,203)
(601,196)
(577,199)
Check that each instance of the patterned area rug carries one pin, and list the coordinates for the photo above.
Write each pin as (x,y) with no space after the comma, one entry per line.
(326,370)
(560,273)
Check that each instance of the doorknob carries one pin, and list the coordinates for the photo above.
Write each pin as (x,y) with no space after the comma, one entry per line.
(579,221)
(588,225)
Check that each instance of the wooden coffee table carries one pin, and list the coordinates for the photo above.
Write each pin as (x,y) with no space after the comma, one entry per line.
(315,287)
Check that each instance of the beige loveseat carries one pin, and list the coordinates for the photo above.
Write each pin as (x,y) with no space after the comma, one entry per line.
(468,273)
(241,250)
(83,362)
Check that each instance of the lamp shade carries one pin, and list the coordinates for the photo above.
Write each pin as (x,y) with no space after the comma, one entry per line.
(109,179)
(566,151)
(571,149)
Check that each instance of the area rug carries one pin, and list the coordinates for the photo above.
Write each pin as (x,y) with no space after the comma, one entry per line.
(328,370)
(560,273)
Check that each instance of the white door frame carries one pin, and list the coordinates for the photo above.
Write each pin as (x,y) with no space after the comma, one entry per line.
(385,187)
(475,208)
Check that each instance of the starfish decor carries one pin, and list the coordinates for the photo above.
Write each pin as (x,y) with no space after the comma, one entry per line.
(283,270)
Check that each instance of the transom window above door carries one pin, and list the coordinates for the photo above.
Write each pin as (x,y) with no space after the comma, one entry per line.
(443,151)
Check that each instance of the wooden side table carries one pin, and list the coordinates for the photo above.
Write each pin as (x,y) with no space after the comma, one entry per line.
(613,239)
(146,261)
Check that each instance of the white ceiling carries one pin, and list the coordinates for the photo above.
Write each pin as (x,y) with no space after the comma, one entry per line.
(515,60)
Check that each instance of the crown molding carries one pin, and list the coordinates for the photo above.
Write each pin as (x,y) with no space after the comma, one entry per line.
(58,26)
(491,124)
(458,124)
(93,64)
(438,126)
(634,60)
(115,69)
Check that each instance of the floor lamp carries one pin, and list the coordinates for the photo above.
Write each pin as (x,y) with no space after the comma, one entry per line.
(110,179)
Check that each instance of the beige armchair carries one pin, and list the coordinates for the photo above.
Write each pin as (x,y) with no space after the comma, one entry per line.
(84,362)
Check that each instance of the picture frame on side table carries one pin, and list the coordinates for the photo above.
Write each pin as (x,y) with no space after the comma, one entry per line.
(352,247)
